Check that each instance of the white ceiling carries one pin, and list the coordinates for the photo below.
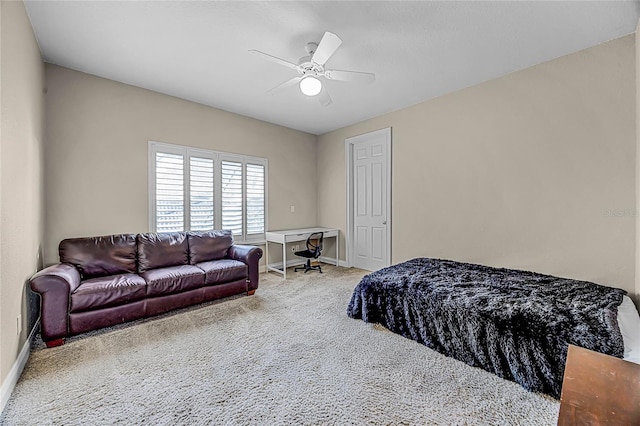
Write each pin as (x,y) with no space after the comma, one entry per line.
(198,50)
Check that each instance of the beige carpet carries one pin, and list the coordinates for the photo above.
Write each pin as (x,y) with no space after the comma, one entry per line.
(288,355)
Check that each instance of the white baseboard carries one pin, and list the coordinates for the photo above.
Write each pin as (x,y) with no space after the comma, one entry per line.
(290,263)
(332,261)
(14,374)
(297,262)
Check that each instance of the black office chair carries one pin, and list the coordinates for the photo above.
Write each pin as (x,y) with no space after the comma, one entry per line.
(314,248)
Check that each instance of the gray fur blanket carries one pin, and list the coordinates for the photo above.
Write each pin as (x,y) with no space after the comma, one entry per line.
(515,324)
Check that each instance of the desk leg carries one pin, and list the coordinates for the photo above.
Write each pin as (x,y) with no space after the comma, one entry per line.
(284,260)
(266,257)
(337,248)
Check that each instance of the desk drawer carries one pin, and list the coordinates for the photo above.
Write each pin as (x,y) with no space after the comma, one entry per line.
(304,236)
(296,237)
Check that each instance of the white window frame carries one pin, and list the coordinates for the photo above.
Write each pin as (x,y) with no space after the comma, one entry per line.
(217,157)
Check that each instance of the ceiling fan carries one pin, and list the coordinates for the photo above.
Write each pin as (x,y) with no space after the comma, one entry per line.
(311,68)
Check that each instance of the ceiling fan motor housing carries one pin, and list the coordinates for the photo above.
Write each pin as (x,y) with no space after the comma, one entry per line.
(311,48)
(307,67)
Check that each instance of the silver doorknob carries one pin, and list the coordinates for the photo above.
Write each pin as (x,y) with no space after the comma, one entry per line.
(384,223)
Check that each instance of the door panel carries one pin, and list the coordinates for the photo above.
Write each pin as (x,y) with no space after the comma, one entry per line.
(377,244)
(362,240)
(377,192)
(361,153)
(370,200)
(361,190)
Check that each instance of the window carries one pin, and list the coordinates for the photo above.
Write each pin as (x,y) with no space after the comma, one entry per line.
(232,212)
(255,199)
(169,191)
(201,193)
(197,190)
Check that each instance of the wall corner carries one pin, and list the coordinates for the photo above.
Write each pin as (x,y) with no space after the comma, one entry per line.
(636,295)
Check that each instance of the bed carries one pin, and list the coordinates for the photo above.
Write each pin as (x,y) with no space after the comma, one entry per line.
(515,324)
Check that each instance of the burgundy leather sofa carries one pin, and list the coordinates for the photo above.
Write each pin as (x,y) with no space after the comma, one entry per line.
(107,280)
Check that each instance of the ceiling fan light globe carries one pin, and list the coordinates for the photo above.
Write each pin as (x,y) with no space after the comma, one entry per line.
(310,86)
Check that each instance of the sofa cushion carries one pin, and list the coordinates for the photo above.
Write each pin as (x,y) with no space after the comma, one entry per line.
(161,250)
(223,271)
(173,279)
(108,291)
(100,256)
(211,245)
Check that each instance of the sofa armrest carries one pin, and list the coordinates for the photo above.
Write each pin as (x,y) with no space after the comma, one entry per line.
(251,256)
(55,285)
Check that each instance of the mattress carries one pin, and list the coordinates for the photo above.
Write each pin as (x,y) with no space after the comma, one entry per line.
(515,324)
(629,323)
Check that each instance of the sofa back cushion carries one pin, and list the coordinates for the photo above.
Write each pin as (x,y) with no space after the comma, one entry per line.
(161,250)
(210,245)
(100,256)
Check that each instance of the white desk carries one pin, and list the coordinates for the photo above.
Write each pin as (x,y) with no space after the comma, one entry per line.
(291,235)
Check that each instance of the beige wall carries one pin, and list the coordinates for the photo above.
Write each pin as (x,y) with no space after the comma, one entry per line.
(20,174)
(97,134)
(533,170)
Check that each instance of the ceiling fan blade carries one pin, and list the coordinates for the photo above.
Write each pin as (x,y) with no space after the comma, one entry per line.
(364,77)
(284,85)
(274,59)
(324,98)
(327,47)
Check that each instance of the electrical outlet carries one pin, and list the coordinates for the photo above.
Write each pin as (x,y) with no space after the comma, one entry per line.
(19,324)
(295,248)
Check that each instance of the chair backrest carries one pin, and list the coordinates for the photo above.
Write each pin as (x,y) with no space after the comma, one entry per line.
(314,243)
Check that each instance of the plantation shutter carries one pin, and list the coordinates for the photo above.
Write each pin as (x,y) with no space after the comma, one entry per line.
(169,185)
(201,192)
(231,176)
(255,199)
(193,189)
